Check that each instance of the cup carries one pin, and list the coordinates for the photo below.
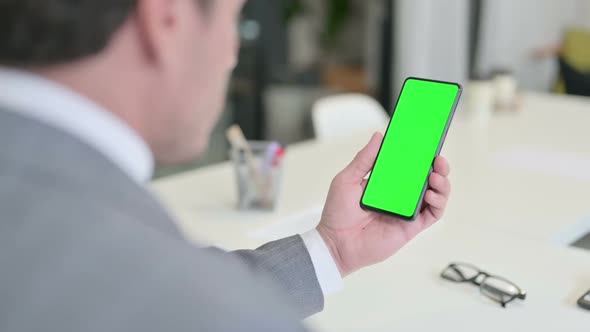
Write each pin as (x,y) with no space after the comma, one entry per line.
(480,101)
(258,182)
(506,88)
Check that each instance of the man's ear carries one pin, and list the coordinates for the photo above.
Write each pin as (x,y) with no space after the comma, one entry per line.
(157,21)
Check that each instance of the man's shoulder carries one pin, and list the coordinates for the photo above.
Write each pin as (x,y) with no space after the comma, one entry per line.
(47,172)
(83,245)
(113,273)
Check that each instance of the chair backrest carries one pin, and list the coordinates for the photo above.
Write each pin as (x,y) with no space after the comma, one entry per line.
(576,82)
(340,115)
(575,50)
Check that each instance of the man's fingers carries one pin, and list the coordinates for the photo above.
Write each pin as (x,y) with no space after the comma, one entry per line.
(440,184)
(435,200)
(364,160)
(364,183)
(441,166)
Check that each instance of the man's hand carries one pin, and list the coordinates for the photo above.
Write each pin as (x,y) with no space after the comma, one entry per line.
(358,238)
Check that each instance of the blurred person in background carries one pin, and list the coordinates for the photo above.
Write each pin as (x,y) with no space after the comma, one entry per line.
(92,95)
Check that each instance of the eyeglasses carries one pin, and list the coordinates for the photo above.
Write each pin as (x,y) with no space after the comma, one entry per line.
(496,288)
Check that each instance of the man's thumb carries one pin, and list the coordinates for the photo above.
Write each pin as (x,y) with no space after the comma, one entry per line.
(362,164)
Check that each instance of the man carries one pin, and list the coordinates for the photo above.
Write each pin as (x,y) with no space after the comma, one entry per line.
(91,92)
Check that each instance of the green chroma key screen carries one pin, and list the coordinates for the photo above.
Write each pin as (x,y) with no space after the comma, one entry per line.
(413,140)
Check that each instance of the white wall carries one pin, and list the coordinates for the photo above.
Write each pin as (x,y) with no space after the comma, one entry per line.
(511,30)
(431,40)
(585,13)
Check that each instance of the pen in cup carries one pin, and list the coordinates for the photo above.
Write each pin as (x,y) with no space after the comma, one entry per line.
(238,141)
(270,157)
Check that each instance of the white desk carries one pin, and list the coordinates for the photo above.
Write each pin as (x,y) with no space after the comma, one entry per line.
(505,211)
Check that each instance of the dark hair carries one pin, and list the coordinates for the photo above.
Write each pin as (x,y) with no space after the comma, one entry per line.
(47,32)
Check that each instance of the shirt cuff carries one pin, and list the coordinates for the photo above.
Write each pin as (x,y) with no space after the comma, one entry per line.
(325,268)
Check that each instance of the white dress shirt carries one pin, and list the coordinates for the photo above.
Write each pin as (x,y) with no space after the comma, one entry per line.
(51,103)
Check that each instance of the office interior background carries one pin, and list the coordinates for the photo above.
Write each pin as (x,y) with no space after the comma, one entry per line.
(519,149)
(296,52)
(319,77)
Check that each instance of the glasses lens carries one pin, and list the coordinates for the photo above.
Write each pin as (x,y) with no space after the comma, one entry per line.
(460,272)
(499,289)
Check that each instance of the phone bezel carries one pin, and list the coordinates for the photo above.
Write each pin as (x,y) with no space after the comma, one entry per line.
(438,150)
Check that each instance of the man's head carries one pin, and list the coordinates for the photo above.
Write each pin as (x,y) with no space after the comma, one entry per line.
(162,66)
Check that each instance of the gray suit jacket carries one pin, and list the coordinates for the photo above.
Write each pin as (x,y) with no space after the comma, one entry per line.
(85,248)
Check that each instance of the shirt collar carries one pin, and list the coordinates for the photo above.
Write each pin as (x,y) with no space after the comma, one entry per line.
(60,107)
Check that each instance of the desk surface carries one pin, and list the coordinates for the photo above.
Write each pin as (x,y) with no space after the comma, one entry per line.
(517,184)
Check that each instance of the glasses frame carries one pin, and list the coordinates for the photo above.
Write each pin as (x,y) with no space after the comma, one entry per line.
(479,280)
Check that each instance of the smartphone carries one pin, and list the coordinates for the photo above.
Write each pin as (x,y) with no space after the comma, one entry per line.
(413,140)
